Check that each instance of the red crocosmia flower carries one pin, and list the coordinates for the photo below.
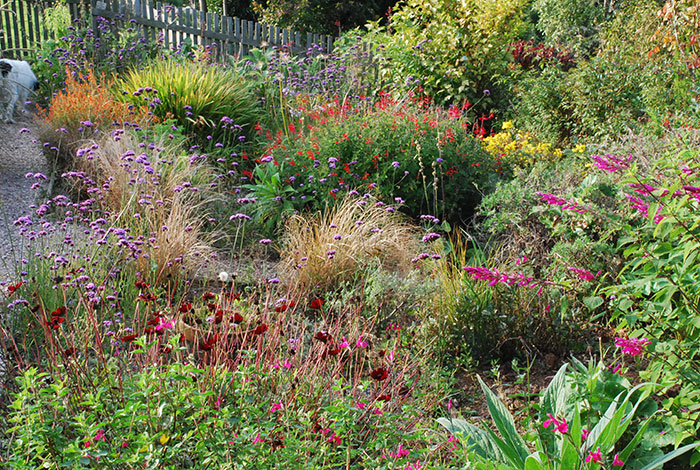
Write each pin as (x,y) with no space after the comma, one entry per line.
(68,352)
(208,296)
(323,336)
(141,284)
(316,304)
(260,329)
(129,338)
(384,397)
(59,312)
(379,374)
(13,288)
(237,318)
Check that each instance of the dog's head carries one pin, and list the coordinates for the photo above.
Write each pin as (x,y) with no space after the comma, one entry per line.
(4,68)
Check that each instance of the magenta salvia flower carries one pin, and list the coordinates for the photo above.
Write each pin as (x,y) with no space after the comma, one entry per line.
(643,208)
(582,273)
(632,346)
(559,426)
(612,163)
(493,277)
(553,200)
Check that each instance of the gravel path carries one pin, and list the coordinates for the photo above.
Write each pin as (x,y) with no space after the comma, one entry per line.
(19,155)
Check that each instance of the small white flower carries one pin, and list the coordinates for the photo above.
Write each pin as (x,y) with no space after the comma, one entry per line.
(223,276)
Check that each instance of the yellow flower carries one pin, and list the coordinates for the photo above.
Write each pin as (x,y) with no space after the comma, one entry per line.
(579,149)
(507,125)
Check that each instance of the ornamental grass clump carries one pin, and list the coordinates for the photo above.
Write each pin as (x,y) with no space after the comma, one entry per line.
(208,101)
(153,193)
(330,247)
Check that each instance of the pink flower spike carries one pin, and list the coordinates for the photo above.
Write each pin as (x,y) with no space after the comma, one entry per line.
(617,462)
(612,163)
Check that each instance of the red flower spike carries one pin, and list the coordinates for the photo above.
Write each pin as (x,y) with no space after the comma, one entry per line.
(379,374)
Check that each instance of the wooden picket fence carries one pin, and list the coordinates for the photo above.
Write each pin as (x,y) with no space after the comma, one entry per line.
(22,27)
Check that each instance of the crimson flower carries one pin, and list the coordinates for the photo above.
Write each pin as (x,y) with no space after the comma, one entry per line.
(323,336)
(316,304)
(208,296)
(129,338)
(141,284)
(13,288)
(237,317)
(208,343)
(379,374)
(184,308)
(68,352)
(260,329)
(59,312)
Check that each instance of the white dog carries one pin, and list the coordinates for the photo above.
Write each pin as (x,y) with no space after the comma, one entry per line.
(17,81)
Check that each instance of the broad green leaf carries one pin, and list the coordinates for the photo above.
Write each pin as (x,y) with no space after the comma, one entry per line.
(505,424)
(555,395)
(474,437)
(533,462)
(670,456)
(593,302)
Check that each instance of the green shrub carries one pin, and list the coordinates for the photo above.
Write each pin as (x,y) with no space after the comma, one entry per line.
(418,159)
(211,103)
(453,50)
